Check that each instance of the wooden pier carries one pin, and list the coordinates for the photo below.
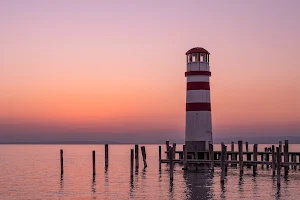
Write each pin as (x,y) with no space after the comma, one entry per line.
(272,157)
(275,157)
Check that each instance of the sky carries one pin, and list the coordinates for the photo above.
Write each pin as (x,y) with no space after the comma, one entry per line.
(88,70)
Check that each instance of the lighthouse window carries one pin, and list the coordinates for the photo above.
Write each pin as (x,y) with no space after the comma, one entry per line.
(201,58)
(189,58)
(194,57)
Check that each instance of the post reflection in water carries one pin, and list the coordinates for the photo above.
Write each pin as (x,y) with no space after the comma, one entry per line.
(198,184)
(241,184)
(93,187)
(61,184)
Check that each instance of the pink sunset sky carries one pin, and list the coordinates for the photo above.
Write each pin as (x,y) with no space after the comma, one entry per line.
(98,67)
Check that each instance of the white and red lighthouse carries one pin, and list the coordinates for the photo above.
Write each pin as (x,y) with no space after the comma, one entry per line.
(198,127)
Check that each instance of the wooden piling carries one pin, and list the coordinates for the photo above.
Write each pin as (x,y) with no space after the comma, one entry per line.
(226,158)
(278,165)
(267,157)
(167,148)
(273,160)
(211,156)
(248,159)
(294,160)
(240,144)
(144,156)
(136,155)
(159,156)
(233,155)
(262,159)
(171,164)
(174,150)
(254,158)
(94,163)
(286,143)
(280,146)
(286,155)
(247,149)
(185,167)
(106,155)
(131,162)
(223,156)
(61,162)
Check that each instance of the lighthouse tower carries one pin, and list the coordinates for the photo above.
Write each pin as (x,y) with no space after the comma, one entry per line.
(198,127)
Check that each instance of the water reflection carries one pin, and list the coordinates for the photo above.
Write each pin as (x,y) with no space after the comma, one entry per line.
(241,184)
(93,187)
(171,192)
(198,184)
(61,183)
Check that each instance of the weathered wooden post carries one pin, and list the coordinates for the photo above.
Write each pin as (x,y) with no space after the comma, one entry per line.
(247,149)
(280,146)
(185,167)
(131,162)
(94,163)
(159,156)
(106,155)
(240,143)
(136,155)
(144,156)
(61,162)
(226,159)
(248,159)
(211,156)
(286,155)
(167,148)
(294,160)
(174,150)
(262,159)
(254,158)
(273,160)
(223,156)
(278,165)
(233,155)
(267,157)
(171,164)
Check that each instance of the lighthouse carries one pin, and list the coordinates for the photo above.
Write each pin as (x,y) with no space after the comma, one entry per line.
(198,127)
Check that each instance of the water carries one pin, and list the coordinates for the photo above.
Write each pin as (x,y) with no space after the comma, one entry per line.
(33,172)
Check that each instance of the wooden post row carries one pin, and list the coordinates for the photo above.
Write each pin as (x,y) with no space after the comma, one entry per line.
(223,158)
(61,162)
(278,165)
(159,156)
(94,163)
(171,164)
(106,156)
(254,158)
(136,152)
(167,148)
(273,159)
(144,156)
(240,143)
(131,162)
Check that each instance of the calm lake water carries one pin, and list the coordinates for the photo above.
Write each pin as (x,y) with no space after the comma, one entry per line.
(33,172)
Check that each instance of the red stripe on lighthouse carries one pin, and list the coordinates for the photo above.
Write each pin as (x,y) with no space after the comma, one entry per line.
(205,73)
(198,107)
(198,86)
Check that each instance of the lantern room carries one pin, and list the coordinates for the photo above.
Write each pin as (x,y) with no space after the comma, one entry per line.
(197,54)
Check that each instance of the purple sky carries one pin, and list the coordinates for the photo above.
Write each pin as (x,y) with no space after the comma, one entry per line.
(70,68)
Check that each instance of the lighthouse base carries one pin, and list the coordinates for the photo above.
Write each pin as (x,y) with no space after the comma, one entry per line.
(195,146)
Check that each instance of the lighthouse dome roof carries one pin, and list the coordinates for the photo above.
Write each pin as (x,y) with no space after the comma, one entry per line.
(197,50)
